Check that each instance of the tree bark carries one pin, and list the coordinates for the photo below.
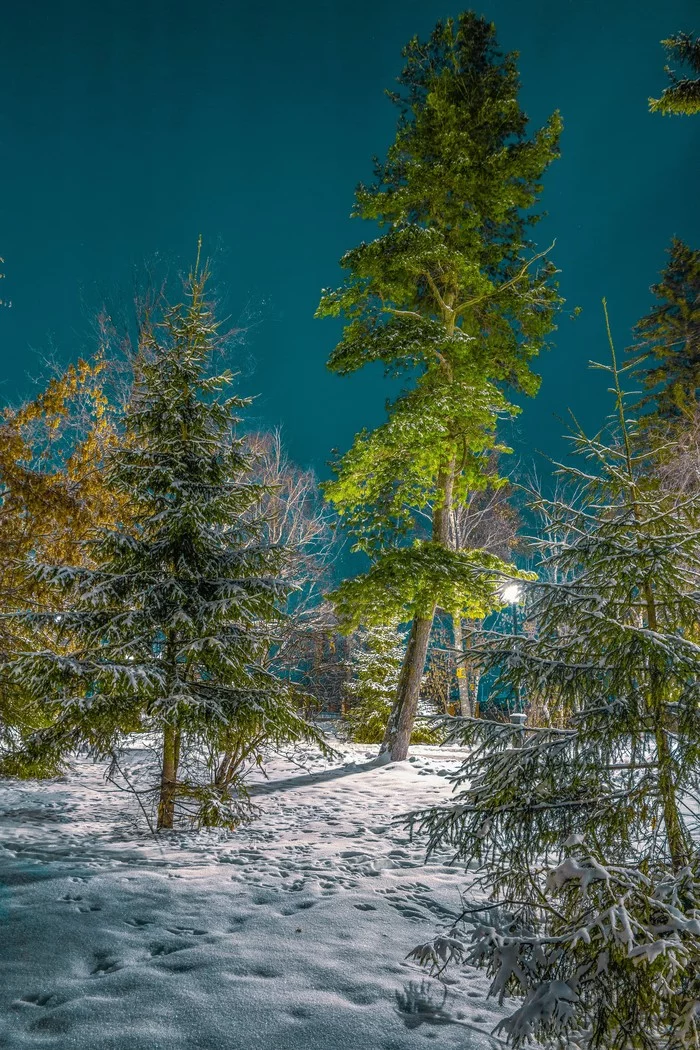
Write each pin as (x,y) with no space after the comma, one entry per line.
(397,735)
(463,669)
(171,744)
(168,779)
(675,832)
(677,844)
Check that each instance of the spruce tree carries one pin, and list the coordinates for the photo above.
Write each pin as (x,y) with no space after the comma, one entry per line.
(169,628)
(451,294)
(585,835)
(682,97)
(667,346)
(374,667)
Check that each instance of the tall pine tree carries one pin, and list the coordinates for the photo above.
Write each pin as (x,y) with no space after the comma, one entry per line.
(452,294)
(169,628)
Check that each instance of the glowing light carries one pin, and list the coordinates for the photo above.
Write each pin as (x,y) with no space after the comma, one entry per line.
(511,593)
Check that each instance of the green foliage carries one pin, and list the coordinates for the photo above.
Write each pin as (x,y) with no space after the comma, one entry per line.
(668,340)
(452,295)
(411,581)
(374,669)
(453,196)
(389,475)
(620,955)
(446,293)
(682,98)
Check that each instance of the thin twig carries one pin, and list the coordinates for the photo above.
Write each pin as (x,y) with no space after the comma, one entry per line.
(135,793)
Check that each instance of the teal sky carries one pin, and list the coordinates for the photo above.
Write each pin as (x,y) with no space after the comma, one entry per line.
(127,128)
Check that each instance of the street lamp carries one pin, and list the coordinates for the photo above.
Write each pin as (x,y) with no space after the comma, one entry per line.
(511,596)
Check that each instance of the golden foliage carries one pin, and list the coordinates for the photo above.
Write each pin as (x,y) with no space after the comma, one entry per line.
(52,483)
(53,491)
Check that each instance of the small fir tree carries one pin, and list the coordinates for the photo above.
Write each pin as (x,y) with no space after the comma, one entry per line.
(374,667)
(169,628)
(586,834)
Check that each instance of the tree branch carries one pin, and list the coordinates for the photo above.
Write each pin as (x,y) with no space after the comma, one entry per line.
(508,284)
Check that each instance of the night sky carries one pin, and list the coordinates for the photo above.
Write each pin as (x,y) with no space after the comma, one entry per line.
(128,128)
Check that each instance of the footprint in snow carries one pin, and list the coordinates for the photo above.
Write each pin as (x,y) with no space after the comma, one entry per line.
(45,999)
(105,964)
(264,971)
(301,906)
(156,950)
(77,900)
(413,901)
(301,1013)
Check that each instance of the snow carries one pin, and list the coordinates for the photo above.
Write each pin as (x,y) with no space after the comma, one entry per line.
(290,933)
(571,869)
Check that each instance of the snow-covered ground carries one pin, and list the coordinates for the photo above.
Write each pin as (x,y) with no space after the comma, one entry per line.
(290,934)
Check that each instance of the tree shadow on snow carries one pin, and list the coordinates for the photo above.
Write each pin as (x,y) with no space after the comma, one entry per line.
(348,770)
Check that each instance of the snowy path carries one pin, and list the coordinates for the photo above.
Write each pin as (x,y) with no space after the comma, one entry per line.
(290,934)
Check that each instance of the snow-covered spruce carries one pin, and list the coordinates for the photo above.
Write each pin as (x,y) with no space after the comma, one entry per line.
(585,830)
(171,631)
(374,668)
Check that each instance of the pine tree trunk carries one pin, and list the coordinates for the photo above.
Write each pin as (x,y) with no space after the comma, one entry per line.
(168,779)
(677,844)
(397,735)
(463,673)
(675,833)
